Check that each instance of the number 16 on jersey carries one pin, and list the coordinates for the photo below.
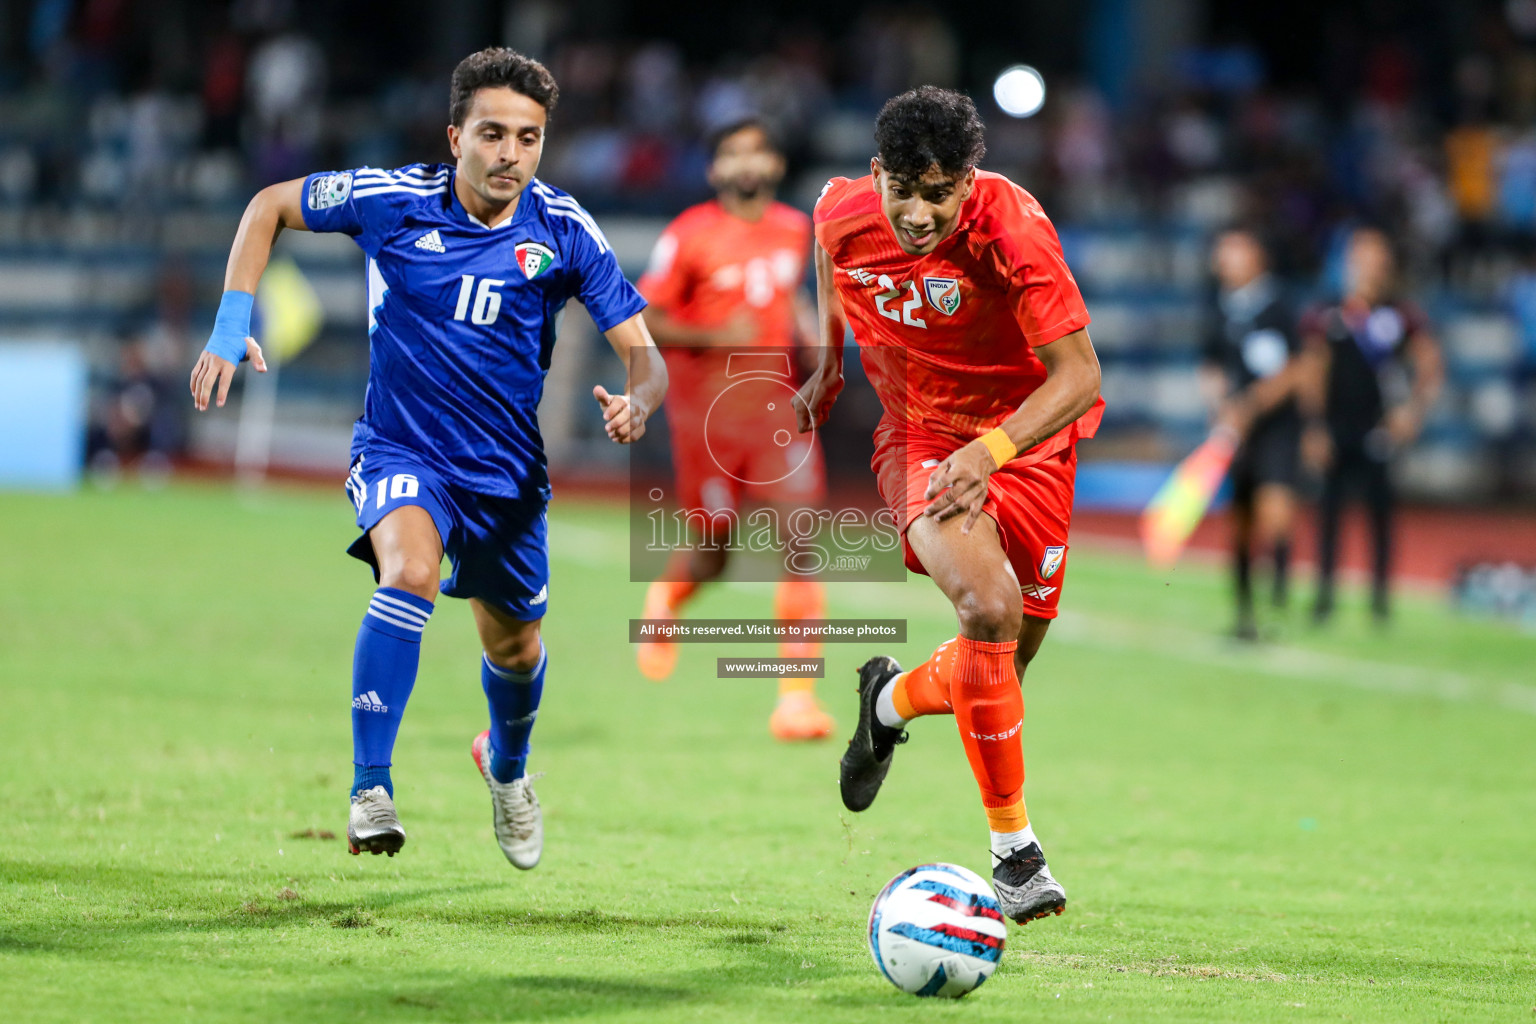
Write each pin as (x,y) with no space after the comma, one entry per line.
(486,300)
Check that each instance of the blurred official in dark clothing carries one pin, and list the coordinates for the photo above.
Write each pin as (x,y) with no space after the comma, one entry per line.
(1373,371)
(1249,377)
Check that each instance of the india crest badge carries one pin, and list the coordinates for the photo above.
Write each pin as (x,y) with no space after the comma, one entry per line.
(943,293)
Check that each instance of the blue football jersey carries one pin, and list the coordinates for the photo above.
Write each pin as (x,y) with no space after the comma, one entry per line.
(462,317)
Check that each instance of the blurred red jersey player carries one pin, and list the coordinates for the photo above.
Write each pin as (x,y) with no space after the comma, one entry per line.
(725,292)
(973,333)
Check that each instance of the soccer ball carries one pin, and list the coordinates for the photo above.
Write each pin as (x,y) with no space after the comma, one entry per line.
(937,930)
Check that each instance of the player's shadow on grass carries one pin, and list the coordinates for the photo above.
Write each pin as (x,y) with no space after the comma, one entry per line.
(742,950)
(152,889)
(755,957)
(148,891)
(532,997)
(590,919)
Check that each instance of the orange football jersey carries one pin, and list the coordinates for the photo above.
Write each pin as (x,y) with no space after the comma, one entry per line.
(708,267)
(948,339)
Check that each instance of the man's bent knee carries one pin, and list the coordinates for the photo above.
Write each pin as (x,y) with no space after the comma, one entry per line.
(409,551)
(412,575)
(991,616)
(517,651)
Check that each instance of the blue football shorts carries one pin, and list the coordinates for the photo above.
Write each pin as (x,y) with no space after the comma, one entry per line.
(499,547)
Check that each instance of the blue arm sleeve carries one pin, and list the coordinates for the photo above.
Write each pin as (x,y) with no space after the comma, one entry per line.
(232,326)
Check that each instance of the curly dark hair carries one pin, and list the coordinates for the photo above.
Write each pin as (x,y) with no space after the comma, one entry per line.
(499,67)
(928,126)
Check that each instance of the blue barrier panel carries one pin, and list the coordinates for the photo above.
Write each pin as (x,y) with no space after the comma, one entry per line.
(1126,486)
(42,414)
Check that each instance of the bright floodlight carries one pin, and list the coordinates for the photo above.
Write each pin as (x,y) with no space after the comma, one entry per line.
(1019,91)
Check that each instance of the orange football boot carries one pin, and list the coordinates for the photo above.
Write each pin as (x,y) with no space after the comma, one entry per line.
(800,716)
(657,658)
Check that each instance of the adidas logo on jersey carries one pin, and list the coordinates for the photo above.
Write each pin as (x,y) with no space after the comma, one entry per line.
(542,596)
(1036,591)
(369,701)
(862,276)
(432,242)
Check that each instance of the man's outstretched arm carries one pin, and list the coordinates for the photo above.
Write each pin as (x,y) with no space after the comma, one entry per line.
(273,208)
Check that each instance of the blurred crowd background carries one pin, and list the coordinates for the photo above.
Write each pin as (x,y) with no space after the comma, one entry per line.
(133,133)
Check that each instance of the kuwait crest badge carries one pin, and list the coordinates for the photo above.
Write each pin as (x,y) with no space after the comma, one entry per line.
(943,294)
(1054,555)
(533,258)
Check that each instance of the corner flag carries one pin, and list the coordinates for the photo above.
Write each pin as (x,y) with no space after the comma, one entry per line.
(1179,505)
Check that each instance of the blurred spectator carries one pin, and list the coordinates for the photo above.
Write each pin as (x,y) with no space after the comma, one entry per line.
(286,84)
(1471,153)
(223,91)
(169,338)
(135,420)
(138,418)
(1376,371)
(1249,373)
(892,49)
(656,89)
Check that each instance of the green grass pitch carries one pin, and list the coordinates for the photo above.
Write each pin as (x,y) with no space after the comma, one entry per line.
(1338,827)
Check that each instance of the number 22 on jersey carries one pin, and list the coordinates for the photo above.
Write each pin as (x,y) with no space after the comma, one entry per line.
(908,312)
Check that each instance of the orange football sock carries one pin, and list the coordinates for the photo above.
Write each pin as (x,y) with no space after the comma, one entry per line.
(989,709)
(799,599)
(671,594)
(925,689)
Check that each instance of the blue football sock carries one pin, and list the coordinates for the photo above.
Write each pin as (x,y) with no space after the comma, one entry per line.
(383,673)
(514,702)
(366,776)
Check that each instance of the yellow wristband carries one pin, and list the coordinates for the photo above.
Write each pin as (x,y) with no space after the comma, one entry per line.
(998,444)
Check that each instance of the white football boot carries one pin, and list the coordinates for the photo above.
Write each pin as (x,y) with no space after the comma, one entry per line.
(1024,885)
(373,825)
(515,813)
